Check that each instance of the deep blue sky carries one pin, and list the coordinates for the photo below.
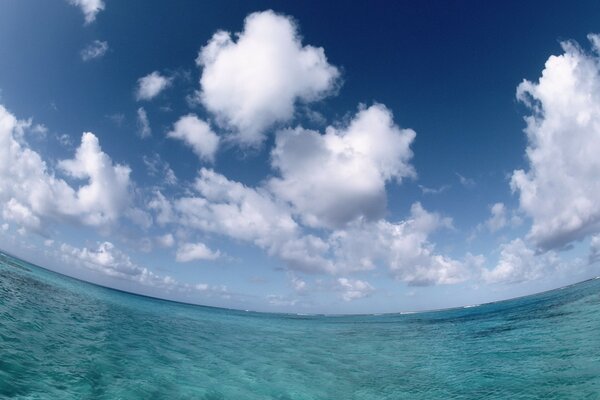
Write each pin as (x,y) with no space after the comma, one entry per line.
(447,70)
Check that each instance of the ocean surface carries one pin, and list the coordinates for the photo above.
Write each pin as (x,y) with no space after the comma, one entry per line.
(64,339)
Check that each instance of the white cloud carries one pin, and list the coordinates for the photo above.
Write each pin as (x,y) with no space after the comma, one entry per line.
(94,50)
(195,251)
(466,182)
(353,289)
(22,215)
(501,218)
(106,195)
(109,260)
(89,8)
(254,215)
(31,193)
(404,248)
(150,86)
(197,134)
(594,244)
(348,168)
(299,285)
(162,208)
(158,168)
(439,190)
(143,123)
(166,240)
(518,263)
(254,82)
(235,210)
(498,219)
(560,190)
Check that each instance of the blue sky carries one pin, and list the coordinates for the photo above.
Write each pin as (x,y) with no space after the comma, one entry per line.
(302,157)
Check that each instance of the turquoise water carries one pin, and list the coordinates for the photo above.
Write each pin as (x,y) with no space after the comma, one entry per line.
(65,339)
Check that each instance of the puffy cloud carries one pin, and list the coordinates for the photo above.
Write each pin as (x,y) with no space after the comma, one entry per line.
(143,123)
(106,195)
(254,82)
(560,190)
(230,208)
(150,86)
(519,262)
(348,168)
(94,50)
(195,251)
(404,248)
(353,289)
(89,8)
(22,215)
(498,219)
(107,259)
(162,207)
(594,246)
(31,193)
(255,216)
(197,134)
(166,240)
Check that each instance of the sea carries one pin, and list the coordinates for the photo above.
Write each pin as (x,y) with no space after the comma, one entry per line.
(61,338)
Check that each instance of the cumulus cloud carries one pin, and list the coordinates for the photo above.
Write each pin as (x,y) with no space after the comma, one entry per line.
(254,215)
(166,240)
(560,189)
(353,289)
(105,258)
(594,249)
(195,251)
(348,167)
(109,260)
(106,195)
(254,82)
(150,86)
(230,208)
(197,134)
(501,217)
(143,123)
(94,50)
(404,248)
(89,8)
(30,192)
(519,262)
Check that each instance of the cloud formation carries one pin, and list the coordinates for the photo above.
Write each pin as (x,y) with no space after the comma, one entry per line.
(143,123)
(254,82)
(30,192)
(519,263)
(195,251)
(348,167)
(151,85)
(198,135)
(560,189)
(90,8)
(94,50)
(353,289)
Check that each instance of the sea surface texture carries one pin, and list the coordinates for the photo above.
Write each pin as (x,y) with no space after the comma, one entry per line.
(65,339)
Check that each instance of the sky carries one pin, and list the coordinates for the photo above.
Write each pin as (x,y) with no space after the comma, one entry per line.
(301,156)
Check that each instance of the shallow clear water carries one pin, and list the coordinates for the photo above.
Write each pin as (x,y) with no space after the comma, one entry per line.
(65,339)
